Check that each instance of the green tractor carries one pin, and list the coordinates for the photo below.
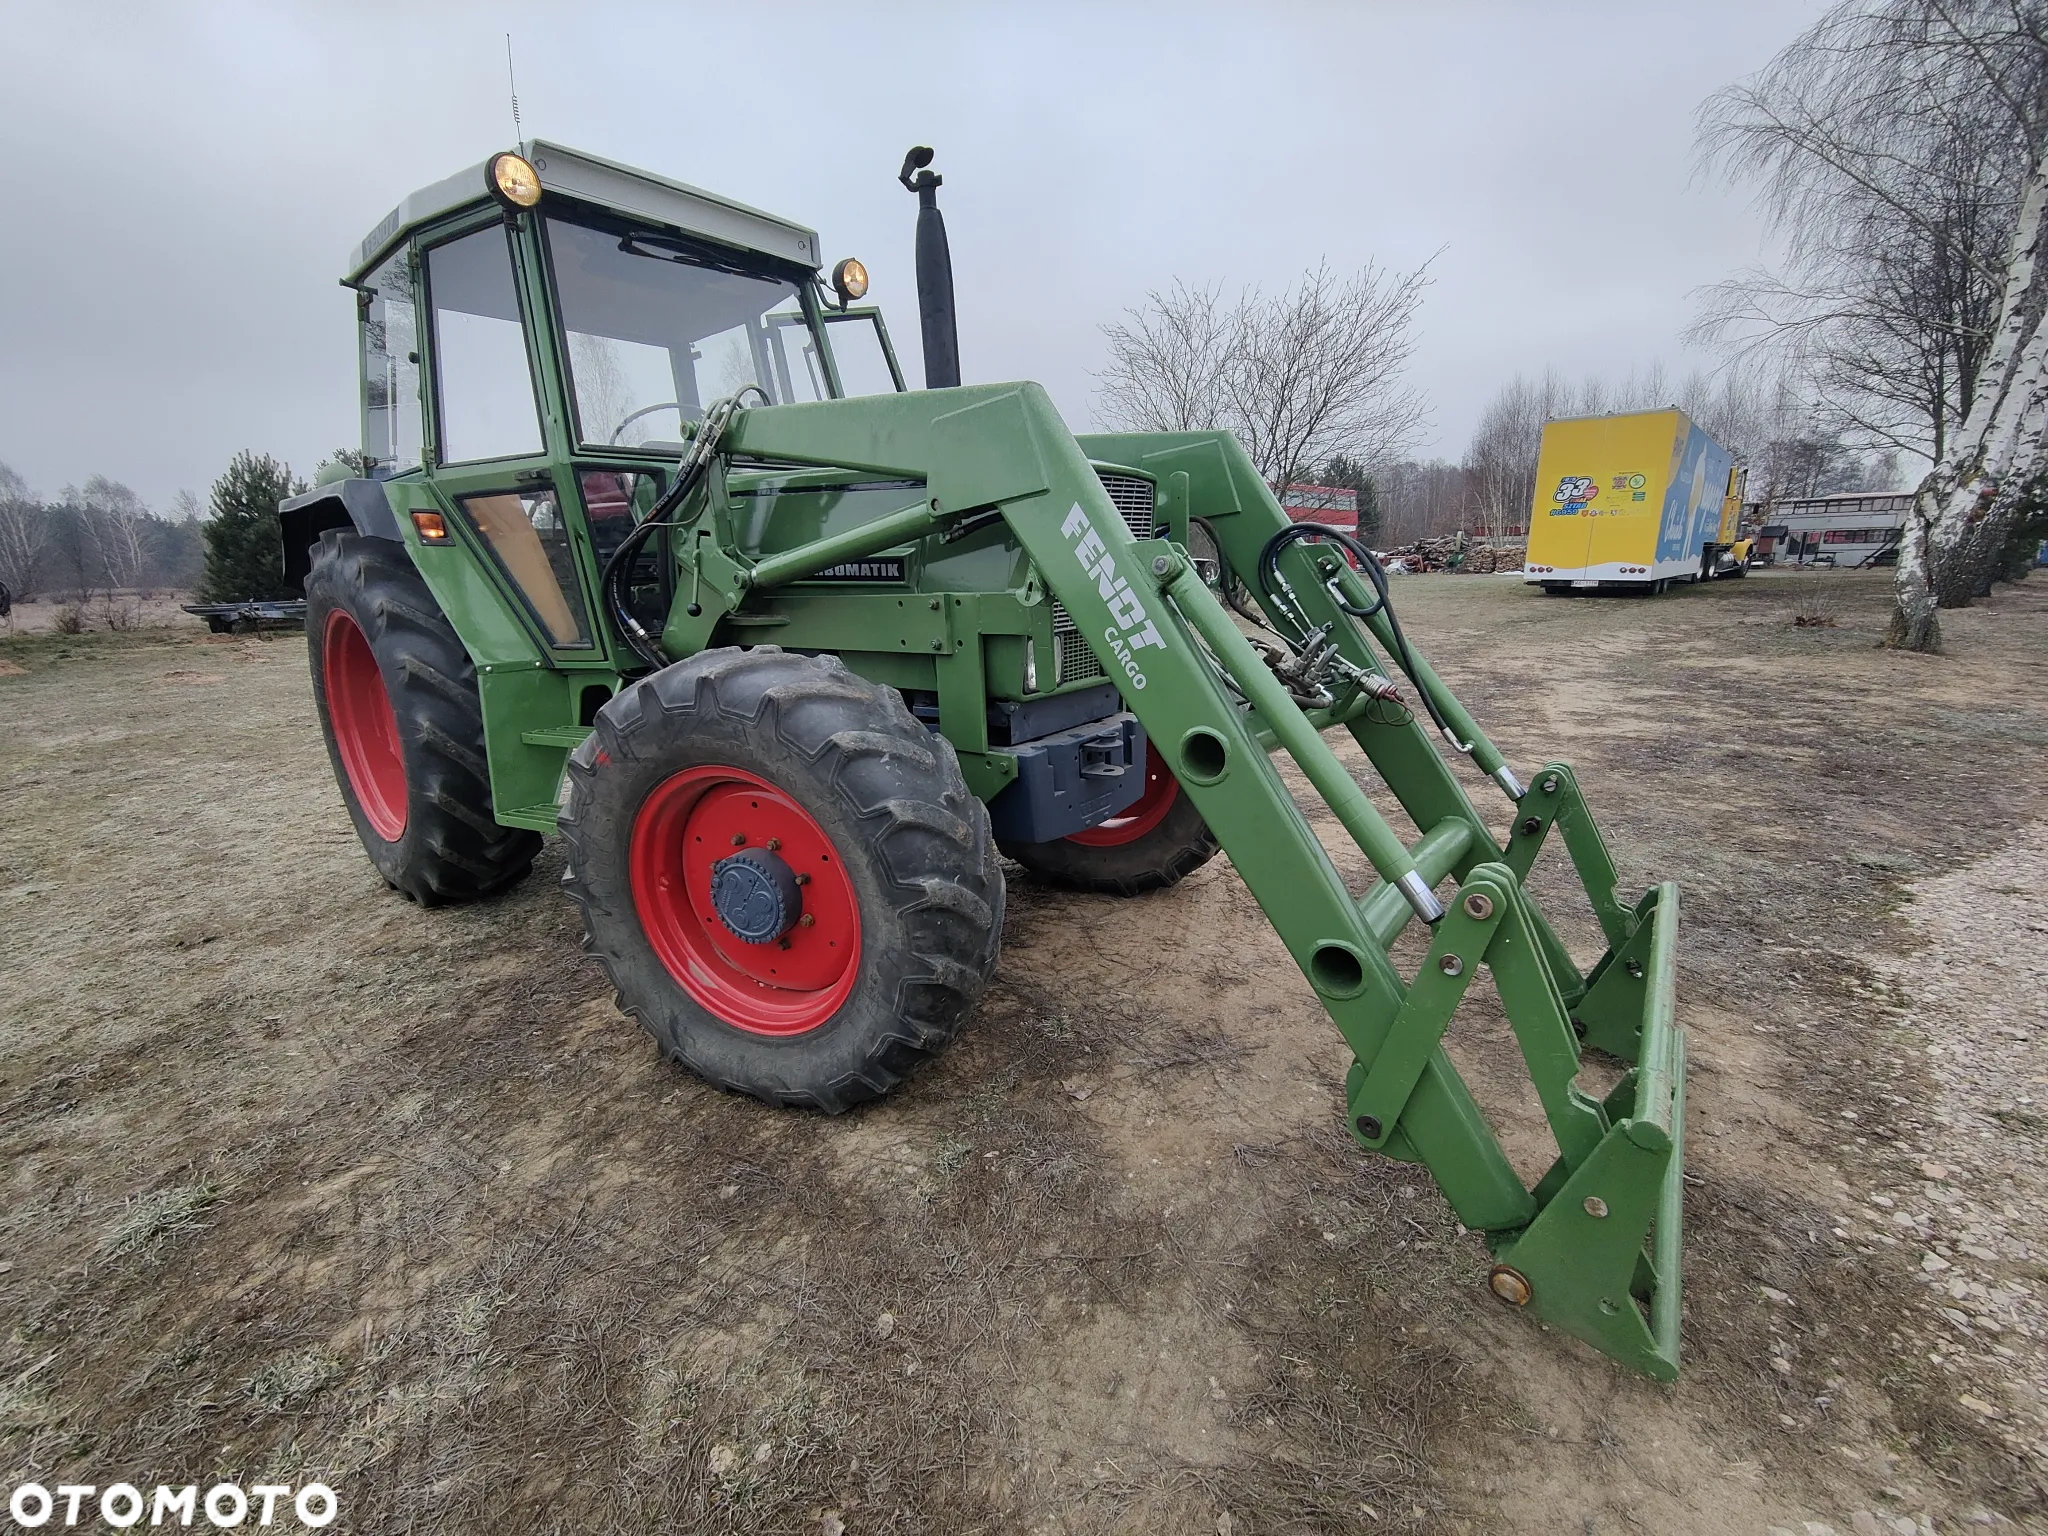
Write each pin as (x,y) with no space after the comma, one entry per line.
(652,547)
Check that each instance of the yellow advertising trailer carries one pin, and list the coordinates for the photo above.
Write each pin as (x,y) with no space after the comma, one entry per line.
(1633,501)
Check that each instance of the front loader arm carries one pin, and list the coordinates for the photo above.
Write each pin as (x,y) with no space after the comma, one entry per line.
(1604,1267)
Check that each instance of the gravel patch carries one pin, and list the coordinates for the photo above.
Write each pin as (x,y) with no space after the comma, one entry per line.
(1972,1195)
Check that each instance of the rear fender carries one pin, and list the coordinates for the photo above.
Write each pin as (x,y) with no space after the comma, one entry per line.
(358,504)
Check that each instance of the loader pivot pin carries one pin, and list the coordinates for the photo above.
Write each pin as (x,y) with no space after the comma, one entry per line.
(1510,1286)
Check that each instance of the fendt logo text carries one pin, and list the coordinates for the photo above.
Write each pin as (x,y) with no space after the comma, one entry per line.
(122,1505)
(1132,630)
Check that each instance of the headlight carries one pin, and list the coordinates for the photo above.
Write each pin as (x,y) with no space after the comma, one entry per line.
(513,181)
(850,281)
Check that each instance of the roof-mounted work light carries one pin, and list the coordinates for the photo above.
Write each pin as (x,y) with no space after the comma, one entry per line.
(513,181)
(850,281)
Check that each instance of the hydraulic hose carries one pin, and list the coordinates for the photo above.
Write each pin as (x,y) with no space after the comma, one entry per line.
(1382,607)
(662,515)
(1271,581)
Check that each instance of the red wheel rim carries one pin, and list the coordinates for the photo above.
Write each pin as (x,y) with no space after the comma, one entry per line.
(785,986)
(365,728)
(1142,814)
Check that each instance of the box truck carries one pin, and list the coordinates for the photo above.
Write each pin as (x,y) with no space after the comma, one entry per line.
(1633,501)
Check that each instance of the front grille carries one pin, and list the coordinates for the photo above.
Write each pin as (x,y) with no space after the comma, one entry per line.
(1072,660)
(1133,498)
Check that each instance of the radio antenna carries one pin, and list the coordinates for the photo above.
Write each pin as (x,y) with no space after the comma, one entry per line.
(518,135)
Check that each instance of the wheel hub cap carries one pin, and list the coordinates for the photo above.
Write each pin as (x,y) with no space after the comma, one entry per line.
(745,900)
(755,895)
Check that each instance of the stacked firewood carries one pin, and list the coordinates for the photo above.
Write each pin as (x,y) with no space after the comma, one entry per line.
(1455,552)
(1486,559)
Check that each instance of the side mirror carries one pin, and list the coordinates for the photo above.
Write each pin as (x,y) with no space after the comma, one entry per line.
(916,160)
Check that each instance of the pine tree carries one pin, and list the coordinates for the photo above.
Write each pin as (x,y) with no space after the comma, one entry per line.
(244,546)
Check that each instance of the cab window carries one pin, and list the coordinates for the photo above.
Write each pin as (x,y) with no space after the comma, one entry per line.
(391,371)
(483,387)
(657,326)
(527,537)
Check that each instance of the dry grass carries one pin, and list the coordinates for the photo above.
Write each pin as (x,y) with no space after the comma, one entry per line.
(159,1214)
(418,1214)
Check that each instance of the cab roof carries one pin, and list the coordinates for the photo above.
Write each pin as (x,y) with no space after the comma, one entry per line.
(607,184)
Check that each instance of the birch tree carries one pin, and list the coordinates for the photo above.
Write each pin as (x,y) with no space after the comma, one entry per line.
(1866,124)
(24,530)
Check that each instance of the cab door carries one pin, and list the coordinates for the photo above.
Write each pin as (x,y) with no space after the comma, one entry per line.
(488,444)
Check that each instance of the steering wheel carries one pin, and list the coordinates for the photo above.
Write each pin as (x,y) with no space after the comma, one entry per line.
(645,410)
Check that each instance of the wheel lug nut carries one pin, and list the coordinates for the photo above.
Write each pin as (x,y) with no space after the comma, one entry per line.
(738,838)
(806,921)
(773,843)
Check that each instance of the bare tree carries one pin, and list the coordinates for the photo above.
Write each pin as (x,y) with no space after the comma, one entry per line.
(1902,149)
(1887,318)
(1420,499)
(1301,377)
(1166,367)
(24,530)
(111,518)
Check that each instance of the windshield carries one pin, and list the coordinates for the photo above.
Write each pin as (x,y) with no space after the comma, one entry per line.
(658,327)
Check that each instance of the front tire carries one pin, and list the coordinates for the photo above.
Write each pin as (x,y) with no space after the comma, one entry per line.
(783,873)
(1157,842)
(404,725)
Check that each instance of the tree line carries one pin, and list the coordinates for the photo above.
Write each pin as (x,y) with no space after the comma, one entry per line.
(1189,360)
(1899,151)
(92,546)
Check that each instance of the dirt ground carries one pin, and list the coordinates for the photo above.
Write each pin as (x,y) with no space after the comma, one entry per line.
(302,1181)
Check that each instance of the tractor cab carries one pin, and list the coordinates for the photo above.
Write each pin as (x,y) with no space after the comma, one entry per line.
(591,301)
(540,336)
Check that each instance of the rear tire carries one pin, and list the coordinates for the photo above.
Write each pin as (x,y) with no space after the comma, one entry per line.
(404,725)
(1159,841)
(867,853)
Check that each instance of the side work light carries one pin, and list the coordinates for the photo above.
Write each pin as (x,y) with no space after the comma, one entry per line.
(849,281)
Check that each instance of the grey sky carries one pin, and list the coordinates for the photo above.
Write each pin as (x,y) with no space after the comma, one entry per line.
(181,183)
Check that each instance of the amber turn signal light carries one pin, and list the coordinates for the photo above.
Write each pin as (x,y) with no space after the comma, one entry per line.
(431,527)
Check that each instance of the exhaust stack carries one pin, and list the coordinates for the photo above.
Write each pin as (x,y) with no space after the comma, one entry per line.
(934,273)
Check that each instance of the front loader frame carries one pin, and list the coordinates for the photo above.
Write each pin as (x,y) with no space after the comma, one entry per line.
(1593,1246)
